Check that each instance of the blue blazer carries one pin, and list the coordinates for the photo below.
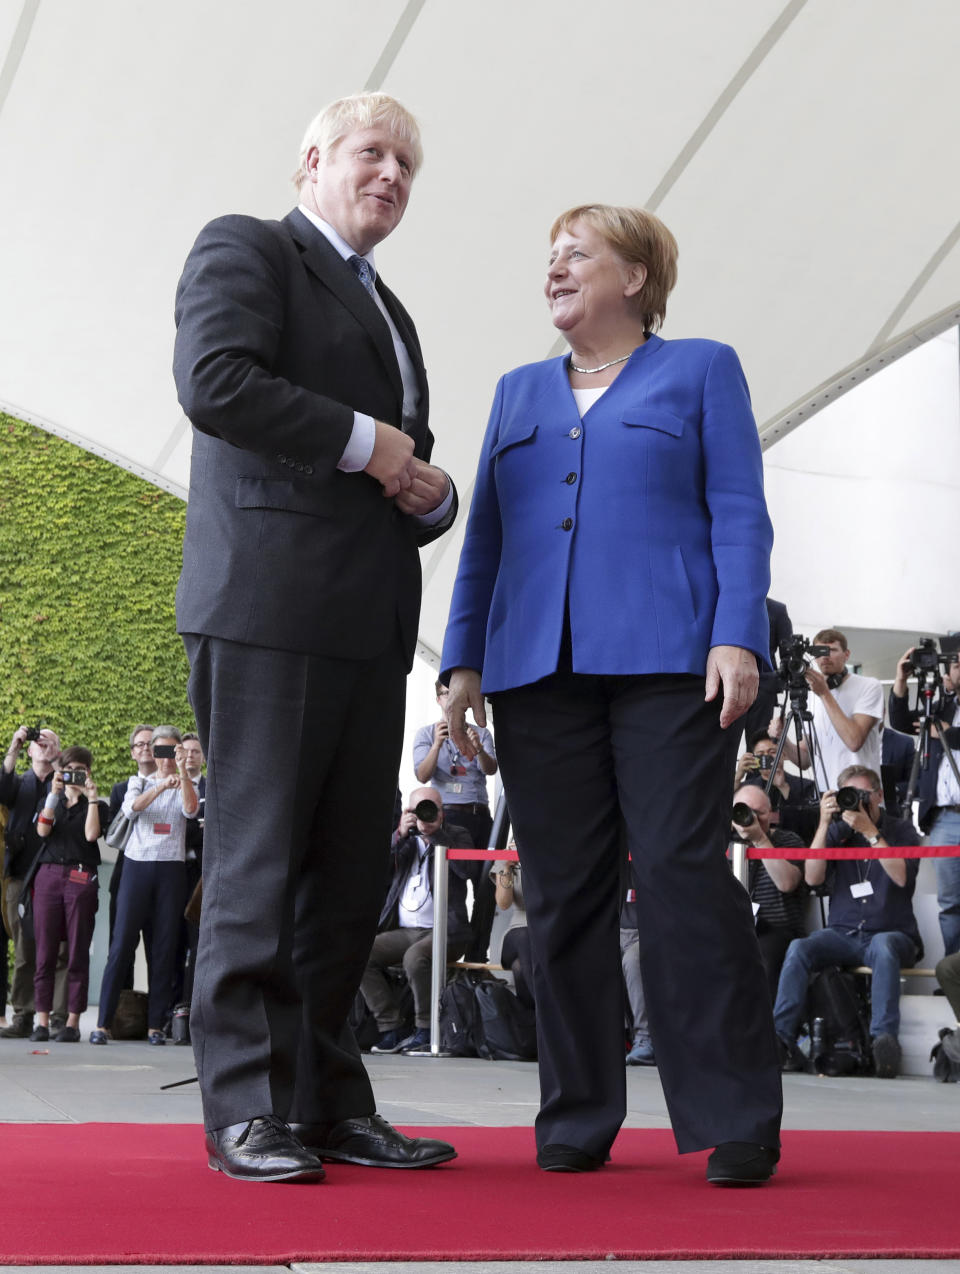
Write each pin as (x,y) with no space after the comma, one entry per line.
(648,515)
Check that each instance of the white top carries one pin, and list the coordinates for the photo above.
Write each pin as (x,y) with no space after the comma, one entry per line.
(585,398)
(855,694)
(416,900)
(159,831)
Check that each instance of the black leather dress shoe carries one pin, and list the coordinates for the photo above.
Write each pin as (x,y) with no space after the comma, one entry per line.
(560,1158)
(373,1143)
(742,1163)
(262,1149)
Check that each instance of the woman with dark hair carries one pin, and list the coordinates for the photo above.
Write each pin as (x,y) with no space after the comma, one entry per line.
(610,600)
(65,889)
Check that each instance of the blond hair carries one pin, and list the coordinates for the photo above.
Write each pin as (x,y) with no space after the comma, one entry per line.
(346,115)
(639,238)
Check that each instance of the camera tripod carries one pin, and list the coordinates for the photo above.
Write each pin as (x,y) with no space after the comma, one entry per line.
(800,719)
(928,683)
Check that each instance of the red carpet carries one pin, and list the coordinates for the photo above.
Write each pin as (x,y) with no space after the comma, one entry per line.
(142,1194)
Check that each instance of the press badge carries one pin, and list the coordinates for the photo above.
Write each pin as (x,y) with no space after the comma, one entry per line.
(862,889)
(78,877)
(161,829)
(454,787)
(415,880)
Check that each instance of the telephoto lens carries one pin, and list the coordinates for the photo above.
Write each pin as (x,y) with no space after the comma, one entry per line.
(851,798)
(426,811)
(742,814)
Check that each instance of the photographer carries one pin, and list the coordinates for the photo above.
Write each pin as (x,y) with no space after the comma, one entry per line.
(65,889)
(24,796)
(153,891)
(847,711)
(462,782)
(792,799)
(406,921)
(776,885)
(871,916)
(939,813)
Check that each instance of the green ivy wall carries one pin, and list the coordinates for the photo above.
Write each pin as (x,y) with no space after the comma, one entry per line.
(89,559)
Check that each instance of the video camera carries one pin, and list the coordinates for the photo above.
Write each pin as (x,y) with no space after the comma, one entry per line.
(794,662)
(926,660)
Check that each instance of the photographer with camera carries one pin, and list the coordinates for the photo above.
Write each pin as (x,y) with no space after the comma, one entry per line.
(406,920)
(871,918)
(65,889)
(776,885)
(939,792)
(24,796)
(847,712)
(153,890)
(793,802)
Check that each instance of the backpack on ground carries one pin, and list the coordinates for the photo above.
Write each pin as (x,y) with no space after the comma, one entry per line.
(508,1027)
(461,1031)
(946,1056)
(838,1015)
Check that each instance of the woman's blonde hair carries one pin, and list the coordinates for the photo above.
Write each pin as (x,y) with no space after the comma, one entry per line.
(346,115)
(639,238)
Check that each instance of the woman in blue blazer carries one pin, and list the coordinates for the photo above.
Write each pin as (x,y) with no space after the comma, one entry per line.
(610,601)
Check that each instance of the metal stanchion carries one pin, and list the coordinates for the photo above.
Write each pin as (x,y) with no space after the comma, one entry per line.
(738,859)
(438,969)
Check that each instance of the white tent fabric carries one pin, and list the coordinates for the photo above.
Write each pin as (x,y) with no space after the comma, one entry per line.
(801,152)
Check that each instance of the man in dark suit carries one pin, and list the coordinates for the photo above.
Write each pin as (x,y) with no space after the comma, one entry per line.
(310,493)
(757,716)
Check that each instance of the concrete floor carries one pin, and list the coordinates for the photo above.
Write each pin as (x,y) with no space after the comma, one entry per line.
(78,1083)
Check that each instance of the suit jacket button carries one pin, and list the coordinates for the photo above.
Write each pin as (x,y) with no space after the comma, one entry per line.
(567,524)
(282,459)
(299,467)
(308,468)
(570,479)
(576,431)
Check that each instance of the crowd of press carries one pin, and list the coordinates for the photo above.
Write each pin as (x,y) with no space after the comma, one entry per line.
(855,780)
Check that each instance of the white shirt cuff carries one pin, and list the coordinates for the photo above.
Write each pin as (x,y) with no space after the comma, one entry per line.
(440,512)
(359,449)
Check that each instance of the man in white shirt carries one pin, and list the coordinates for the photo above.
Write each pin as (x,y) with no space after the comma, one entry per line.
(847,712)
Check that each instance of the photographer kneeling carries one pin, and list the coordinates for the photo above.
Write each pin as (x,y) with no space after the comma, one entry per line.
(871,916)
(65,889)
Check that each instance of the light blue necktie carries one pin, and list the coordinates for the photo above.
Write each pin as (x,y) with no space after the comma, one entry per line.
(361,268)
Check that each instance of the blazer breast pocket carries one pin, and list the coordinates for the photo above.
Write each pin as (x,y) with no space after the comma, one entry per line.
(663,422)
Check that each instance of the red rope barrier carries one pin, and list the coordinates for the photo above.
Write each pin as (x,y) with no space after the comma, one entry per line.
(851,851)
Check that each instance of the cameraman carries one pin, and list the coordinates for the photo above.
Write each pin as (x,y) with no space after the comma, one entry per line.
(65,890)
(775,885)
(847,711)
(939,814)
(406,921)
(24,795)
(871,916)
(792,799)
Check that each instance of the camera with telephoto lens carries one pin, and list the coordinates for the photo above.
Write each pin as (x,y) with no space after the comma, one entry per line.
(74,778)
(427,811)
(742,815)
(851,798)
(794,662)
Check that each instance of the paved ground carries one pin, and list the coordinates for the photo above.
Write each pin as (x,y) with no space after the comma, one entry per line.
(76,1083)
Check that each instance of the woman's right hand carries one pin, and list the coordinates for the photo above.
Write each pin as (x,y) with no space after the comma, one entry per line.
(464,693)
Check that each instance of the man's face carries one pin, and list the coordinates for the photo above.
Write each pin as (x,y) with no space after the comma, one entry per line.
(443,694)
(835,661)
(952,675)
(46,749)
(140,749)
(362,186)
(194,755)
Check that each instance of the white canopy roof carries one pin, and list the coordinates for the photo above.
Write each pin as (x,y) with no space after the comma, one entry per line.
(803,153)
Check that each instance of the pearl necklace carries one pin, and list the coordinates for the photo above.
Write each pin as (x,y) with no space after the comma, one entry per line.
(589,371)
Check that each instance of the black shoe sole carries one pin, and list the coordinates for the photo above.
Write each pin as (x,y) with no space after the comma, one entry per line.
(336,1156)
(301,1174)
(741,1181)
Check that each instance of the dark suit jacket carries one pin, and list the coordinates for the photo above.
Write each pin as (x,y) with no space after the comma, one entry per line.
(903,719)
(277,345)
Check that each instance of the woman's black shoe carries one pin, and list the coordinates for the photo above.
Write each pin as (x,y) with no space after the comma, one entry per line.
(560,1158)
(742,1163)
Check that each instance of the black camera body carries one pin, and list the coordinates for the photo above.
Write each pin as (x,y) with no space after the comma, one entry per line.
(164,751)
(74,778)
(765,763)
(794,662)
(33,733)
